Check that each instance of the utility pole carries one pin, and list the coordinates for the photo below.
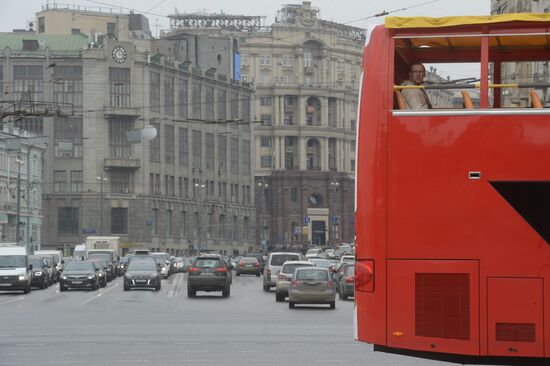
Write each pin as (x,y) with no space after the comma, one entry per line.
(334,219)
(19,161)
(101,178)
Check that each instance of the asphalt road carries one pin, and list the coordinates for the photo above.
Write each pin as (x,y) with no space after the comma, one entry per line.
(113,327)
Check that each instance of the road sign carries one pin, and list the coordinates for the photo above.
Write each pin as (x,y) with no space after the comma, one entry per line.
(334,219)
(297,230)
(307,220)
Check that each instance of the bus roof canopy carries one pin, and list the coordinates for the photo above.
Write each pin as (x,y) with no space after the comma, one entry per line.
(429,22)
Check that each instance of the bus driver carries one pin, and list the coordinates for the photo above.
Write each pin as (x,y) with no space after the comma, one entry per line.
(416,98)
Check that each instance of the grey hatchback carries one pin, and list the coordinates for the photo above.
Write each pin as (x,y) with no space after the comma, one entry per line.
(208,273)
(312,285)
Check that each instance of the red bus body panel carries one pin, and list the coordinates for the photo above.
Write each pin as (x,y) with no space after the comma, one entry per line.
(432,231)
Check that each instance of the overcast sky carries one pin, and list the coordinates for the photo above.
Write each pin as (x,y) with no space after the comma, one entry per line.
(15,13)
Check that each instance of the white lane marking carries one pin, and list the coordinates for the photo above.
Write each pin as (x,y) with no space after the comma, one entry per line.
(101,292)
(12,300)
(30,344)
(245,351)
(188,343)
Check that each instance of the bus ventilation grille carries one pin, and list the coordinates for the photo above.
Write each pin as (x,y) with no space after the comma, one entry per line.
(442,305)
(515,332)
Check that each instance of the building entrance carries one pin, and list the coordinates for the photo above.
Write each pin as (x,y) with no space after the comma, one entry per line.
(318,236)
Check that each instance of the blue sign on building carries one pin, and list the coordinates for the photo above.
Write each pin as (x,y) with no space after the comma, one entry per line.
(307,220)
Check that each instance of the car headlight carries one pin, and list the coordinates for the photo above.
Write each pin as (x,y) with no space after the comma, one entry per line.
(22,277)
(101,275)
(63,277)
(38,273)
(91,277)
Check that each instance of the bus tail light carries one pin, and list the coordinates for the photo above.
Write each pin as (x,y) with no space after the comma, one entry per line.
(364,275)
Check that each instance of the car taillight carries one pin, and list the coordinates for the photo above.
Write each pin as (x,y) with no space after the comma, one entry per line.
(194,269)
(221,270)
(294,284)
(282,277)
(256,264)
(330,284)
(349,279)
(364,275)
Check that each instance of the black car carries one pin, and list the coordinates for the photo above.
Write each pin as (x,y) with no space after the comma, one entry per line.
(39,273)
(209,273)
(79,275)
(260,258)
(101,267)
(111,270)
(142,274)
(345,282)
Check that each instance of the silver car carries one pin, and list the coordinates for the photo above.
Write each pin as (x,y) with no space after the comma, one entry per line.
(285,277)
(274,264)
(312,285)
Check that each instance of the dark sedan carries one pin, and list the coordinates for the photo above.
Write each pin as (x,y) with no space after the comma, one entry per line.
(79,275)
(345,282)
(142,274)
(209,273)
(39,272)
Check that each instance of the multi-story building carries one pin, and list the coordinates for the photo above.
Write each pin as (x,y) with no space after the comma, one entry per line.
(20,187)
(188,188)
(306,71)
(523,72)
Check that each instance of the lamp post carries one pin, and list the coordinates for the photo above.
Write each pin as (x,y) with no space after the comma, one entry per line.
(263,187)
(199,186)
(19,161)
(101,178)
(334,184)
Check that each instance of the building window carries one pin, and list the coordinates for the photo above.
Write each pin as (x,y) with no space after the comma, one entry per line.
(183,147)
(154,221)
(171,186)
(75,31)
(287,61)
(120,181)
(265,78)
(182,99)
(119,220)
(210,225)
(265,60)
(235,229)
(67,86)
(197,101)
(265,100)
(209,151)
(169,231)
(169,153)
(68,137)
(169,95)
(28,83)
(222,227)
(234,107)
(308,57)
(60,181)
(222,154)
(41,25)
(186,187)
(222,105)
(154,91)
(67,223)
(119,81)
(332,154)
(294,194)
(111,29)
(267,161)
(31,124)
(157,184)
(234,156)
(245,228)
(266,141)
(246,157)
(183,226)
(77,180)
(180,187)
(197,149)
(246,113)
(151,183)
(266,119)
(154,145)
(196,224)
(118,143)
(209,103)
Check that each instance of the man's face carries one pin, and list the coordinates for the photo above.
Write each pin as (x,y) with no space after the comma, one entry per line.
(417,74)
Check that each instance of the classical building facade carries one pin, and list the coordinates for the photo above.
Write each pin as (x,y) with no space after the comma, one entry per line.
(188,188)
(306,71)
(20,187)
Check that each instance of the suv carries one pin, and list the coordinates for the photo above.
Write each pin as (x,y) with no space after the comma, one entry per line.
(209,273)
(273,266)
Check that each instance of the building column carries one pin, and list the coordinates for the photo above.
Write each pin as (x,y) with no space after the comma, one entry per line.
(302,146)
(324,154)
(275,109)
(301,108)
(277,154)
(324,111)
(281,106)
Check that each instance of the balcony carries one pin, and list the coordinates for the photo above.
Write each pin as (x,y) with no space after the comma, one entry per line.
(125,163)
(114,111)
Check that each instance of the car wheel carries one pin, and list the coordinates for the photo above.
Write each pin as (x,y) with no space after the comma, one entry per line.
(344,296)
(157,288)
(279,297)
(333,305)
(226,291)
(43,285)
(291,304)
(95,286)
(266,287)
(340,295)
(62,288)
(126,287)
(191,292)
(238,273)
(104,283)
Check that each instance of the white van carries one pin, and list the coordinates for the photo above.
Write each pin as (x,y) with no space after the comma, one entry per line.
(274,264)
(58,261)
(15,271)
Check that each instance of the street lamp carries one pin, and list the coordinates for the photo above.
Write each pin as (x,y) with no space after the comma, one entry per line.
(199,186)
(263,187)
(19,161)
(101,178)
(334,184)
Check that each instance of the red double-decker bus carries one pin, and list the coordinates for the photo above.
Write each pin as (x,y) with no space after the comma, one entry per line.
(453,204)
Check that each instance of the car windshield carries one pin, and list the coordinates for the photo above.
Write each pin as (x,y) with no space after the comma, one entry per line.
(36,263)
(12,261)
(142,266)
(208,263)
(79,266)
(280,259)
(290,268)
(320,262)
(312,275)
(159,260)
(249,260)
(106,257)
